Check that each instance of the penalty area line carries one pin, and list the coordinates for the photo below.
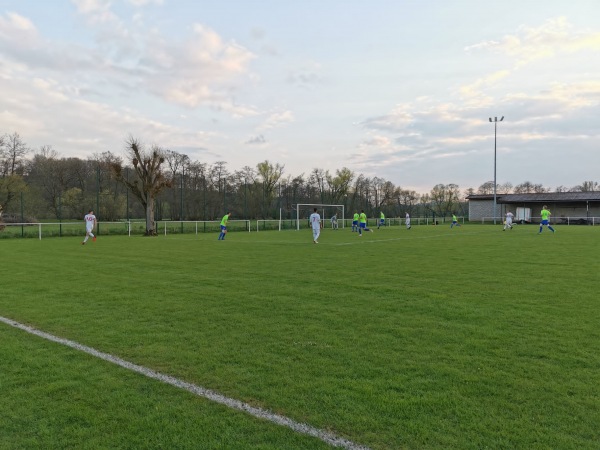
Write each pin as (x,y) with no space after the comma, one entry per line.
(200,391)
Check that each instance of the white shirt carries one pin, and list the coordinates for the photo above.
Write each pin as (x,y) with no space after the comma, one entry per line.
(90,220)
(315,220)
(509,216)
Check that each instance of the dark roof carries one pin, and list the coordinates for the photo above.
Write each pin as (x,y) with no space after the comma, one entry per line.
(545,197)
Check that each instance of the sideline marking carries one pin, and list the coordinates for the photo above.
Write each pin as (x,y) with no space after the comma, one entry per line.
(260,413)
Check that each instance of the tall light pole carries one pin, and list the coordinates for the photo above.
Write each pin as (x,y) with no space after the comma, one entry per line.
(495,133)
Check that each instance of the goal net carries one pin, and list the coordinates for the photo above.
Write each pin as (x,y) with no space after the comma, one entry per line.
(327,213)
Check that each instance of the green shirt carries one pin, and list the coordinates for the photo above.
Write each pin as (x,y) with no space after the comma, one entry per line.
(224,220)
(355,217)
(363,218)
(382,216)
(454,218)
(545,214)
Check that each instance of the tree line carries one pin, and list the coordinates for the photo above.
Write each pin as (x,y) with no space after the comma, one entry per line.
(158,184)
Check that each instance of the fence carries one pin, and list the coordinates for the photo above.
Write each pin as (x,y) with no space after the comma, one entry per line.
(575,220)
(168,227)
(51,229)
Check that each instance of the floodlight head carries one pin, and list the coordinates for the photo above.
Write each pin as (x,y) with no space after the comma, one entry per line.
(490,119)
(502,118)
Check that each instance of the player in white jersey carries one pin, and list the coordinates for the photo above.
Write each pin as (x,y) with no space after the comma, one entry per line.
(508,221)
(407,221)
(90,224)
(315,222)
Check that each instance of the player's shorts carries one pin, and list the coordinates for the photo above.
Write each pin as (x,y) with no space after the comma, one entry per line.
(454,222)
(381,221)
(355,222)
(223,228)
(544,222)
(89,229)
(363,225)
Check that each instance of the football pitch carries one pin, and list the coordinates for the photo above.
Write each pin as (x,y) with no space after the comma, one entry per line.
(433,338)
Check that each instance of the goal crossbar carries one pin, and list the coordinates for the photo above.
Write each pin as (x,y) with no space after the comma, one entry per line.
(321,206)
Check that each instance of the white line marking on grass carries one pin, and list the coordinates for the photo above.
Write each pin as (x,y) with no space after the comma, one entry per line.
(298,427)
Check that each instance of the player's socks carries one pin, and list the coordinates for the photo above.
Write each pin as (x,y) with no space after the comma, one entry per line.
(540,228)
(550,228)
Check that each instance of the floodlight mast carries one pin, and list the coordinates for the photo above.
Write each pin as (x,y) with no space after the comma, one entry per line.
(495,134)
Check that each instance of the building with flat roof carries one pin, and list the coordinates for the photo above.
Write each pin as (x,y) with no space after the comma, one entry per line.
(566,207)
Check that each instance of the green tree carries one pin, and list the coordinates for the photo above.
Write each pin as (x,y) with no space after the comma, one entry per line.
(269,175)
(339,185)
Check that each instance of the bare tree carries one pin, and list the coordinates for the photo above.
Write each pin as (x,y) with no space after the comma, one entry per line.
(504,188)
(12,155)
(317,180)
(486,188)
(587,186)
(406,199)
(444,198)
(150,179)
(12,168)
(526,187)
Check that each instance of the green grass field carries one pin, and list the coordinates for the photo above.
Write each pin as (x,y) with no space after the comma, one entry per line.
(431,338)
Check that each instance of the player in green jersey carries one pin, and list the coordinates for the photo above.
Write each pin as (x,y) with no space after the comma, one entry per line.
(381,220)
(363,223)
(454,221)
(224,226)
(355,220)
(545,219)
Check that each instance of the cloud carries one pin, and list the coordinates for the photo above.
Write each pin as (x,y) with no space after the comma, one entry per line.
(257,140)
(203,69)
(548,44)
(305,77)
(15,23)
(77,127)
(200,70)
(474,90)
(378,141)
(277,119)
(97,11)
(145,2)
(529,44)
(17,31)
(414,134)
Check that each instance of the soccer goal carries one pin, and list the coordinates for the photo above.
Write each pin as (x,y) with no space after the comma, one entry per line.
(304,210)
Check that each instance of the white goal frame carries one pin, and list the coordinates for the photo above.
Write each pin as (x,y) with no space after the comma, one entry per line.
(322,206)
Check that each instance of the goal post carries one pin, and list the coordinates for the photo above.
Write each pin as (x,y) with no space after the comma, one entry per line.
(326,211)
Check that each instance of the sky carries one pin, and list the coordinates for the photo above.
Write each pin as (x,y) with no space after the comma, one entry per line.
(398,89)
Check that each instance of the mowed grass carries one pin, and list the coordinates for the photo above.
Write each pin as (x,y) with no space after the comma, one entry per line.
(426,338)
